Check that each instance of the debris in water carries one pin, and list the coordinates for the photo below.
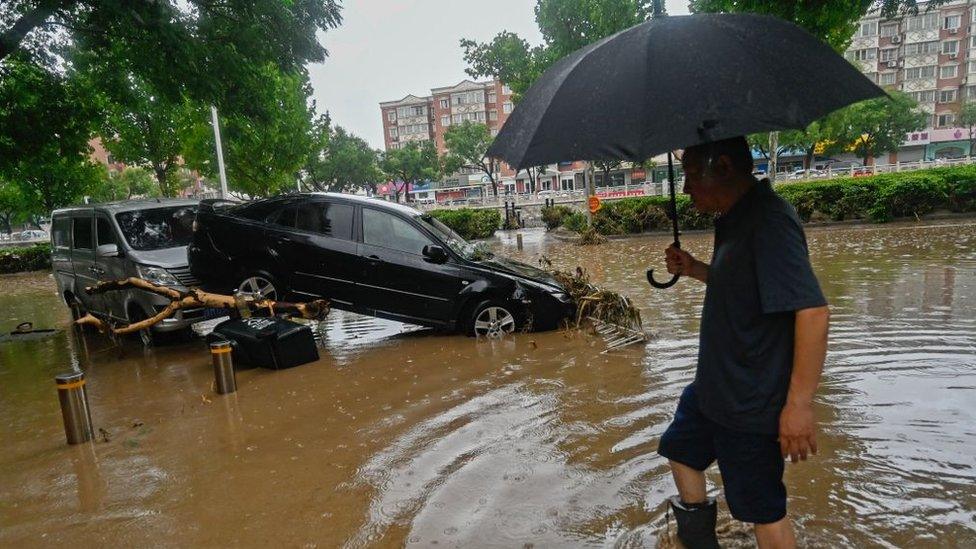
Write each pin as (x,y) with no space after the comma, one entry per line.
(104,434)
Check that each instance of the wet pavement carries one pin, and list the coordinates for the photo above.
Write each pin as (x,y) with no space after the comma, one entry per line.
(407,437)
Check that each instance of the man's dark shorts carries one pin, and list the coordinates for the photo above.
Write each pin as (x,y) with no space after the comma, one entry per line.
(751,464)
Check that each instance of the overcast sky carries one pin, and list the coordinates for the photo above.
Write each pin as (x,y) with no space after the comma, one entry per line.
(386,49)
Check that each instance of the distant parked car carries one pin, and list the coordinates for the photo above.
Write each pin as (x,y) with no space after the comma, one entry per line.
(370,257)
(137,238)
(33,234)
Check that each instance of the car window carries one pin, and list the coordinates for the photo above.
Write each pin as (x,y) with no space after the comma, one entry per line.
(157,228)
(333,220)
(82,233)
(61,232)
(104,232)
(389,231)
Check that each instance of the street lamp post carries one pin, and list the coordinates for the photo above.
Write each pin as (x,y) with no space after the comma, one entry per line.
(220,152)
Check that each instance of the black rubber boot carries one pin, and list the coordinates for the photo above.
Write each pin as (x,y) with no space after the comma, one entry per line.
(696,523)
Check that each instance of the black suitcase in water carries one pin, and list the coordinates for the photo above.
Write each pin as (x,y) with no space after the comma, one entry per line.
(267,342)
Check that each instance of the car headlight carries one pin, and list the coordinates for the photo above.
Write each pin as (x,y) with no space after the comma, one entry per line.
(157,275)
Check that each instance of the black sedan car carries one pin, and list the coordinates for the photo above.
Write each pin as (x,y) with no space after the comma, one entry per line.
(371,257)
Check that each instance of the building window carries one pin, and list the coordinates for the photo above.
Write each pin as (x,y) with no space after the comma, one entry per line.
(446,120)
(506,90)
(889,54)
(391,115)
(945,120)
(394,133)
(866,54)
(493,115)
(971,67)
(947,96)
(887,78)
(921,47)
(889,30)
(952,46)
(507,107)
(948,71)
(492,98)
(927,96)
(916,73)
(927,21)
(970,93)
(868,29)
(468,98)
(952,22)
(445,103)
(494,132)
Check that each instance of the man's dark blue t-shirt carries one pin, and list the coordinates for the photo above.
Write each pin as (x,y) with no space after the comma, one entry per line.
(759,276)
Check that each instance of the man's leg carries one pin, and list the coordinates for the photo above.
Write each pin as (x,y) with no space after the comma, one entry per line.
(690,482)
(776,535)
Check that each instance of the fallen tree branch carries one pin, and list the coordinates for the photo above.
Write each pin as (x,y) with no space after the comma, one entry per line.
(192,298)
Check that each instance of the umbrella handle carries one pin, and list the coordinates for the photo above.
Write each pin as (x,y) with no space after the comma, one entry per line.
(661,285)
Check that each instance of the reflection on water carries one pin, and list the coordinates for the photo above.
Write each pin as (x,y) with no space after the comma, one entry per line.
(408,437)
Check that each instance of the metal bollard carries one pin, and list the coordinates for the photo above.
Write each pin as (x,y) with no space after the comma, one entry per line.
(518,240)
(223,367)
(74,407)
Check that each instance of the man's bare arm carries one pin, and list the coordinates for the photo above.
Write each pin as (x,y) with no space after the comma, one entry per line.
(797,428)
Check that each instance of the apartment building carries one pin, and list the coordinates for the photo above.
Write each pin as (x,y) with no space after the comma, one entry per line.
(931,57)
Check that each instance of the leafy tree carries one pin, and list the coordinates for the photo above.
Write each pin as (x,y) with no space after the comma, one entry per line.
(967,119)
(875,126)
(46,121)
(343,162)
(566,26)
(412,163)
(760,142)
(467,144)
(833,21)
(605,167)
(262,154)
(11,205)
(199,48)
(131,182)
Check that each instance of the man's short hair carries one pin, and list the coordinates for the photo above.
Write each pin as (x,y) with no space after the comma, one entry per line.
(735,148)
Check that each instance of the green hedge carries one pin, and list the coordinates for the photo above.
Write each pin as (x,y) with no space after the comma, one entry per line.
(471,223)
(554,216)
(878,198)
(27,258)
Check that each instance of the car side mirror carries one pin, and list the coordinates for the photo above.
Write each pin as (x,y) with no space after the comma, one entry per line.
(107,250)
(435,253)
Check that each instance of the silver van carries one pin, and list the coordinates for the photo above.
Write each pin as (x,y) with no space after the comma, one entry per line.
(140,238)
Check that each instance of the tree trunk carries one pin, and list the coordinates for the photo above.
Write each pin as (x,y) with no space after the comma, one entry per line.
(11,38)
(808,160)
(160,172)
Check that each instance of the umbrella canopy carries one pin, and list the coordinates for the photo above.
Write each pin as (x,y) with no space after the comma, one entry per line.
(674,82)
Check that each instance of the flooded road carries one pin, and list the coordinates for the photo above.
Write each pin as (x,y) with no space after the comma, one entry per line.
(422,439)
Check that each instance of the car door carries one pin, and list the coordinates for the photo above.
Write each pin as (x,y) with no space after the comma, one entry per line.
(398,279)
(316,239)
(109,267)
(86,271)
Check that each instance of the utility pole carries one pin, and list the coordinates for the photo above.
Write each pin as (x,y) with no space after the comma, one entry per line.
(588,181)
(220,152)
(773,148)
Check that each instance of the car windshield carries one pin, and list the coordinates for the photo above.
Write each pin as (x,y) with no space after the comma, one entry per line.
(467,250)
(157,228)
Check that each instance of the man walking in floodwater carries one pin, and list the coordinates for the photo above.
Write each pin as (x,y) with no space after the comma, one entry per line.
(761,351)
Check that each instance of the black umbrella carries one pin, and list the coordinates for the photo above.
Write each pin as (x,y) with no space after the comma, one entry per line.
(674,82)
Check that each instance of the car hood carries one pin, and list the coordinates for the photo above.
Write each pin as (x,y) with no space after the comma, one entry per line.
(519,269)
(167,258)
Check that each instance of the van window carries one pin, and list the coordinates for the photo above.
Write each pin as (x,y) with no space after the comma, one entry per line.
(82,233)
(158,228)
(389,231)
(61,232)
(104,231)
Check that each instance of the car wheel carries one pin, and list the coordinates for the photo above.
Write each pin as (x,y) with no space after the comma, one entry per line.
(259,286)
(492,321)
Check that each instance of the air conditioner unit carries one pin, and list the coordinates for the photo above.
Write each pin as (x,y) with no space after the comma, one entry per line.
(953,31)
(953,56)
(895,39)
(892,64)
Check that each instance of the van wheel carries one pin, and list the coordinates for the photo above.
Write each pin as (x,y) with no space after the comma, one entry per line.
(259,286)
(146,336)
(491,320)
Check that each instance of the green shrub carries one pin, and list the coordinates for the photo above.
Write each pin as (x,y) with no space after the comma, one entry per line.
(471,223)
(915,195)
(575,222)
(553,216)
(27,258)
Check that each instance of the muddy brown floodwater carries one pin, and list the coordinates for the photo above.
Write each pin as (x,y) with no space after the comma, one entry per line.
(406,437)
